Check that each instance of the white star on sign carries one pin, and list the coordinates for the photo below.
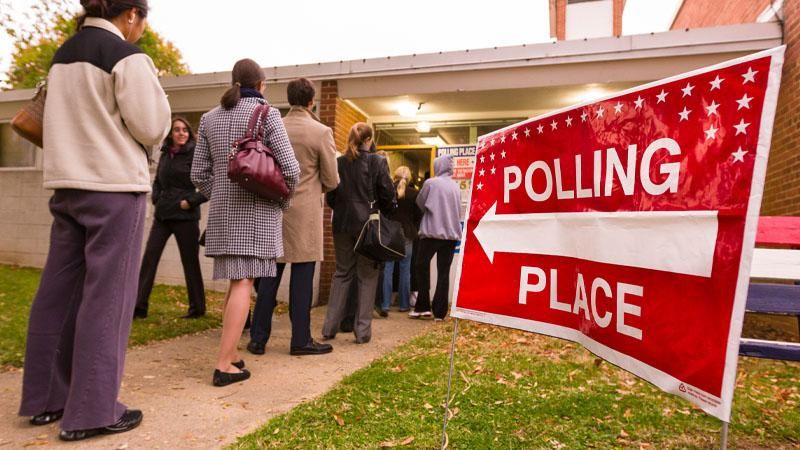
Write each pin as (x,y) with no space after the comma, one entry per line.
(584,116)
(480,186)
(744,102)
(662,97)
(687,90)
(684,114)
(717,83)
(492,141)
(503,139)
(554,125)
(600,111)
(491,156)
(568,120)
(738,155)
(514,136)
(712,108)
(741,128)
(618,108)
(527,132)
(503,154)
(482,172)
(749,76)
(493,170)
(540,128)
(483,159)
(711,132)
(639,102)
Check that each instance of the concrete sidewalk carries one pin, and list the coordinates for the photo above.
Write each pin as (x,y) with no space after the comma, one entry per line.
(171,383)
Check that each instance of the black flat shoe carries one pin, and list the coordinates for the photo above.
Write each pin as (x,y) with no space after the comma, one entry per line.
(193,315)
(46,417)
(312,348)
(225,378)
(238,364)
(130,419)
(362,340)
(139,314)
(255,348)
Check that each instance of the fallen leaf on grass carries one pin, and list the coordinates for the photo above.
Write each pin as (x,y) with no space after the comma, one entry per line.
(516,375)
(276,431)
(627,414)
(396,369)
(428,406)
(623,434)
(338,420)
(407,440)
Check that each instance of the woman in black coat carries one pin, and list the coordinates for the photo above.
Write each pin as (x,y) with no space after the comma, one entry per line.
(364,183)
(177,211)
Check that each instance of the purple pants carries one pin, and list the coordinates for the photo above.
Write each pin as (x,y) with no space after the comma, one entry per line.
(81,315)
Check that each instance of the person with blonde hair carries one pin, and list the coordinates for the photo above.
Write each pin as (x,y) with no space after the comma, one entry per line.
(364,185)
(409,216)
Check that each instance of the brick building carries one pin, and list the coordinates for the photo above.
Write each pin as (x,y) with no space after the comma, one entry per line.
(456,96)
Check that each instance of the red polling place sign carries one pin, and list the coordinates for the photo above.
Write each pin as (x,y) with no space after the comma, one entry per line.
(628,225)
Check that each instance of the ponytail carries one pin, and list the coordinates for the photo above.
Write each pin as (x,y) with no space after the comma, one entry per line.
(401,176)
(108,9)
(246,73)
(359,133)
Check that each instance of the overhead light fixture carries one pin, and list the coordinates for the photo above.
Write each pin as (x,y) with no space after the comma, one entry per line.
(592,92)
(407,109)
(423,127)
(433,140)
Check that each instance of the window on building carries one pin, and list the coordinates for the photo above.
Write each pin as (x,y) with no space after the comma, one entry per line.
(15,151)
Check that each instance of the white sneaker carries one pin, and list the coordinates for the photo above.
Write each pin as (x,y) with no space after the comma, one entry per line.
(420,315)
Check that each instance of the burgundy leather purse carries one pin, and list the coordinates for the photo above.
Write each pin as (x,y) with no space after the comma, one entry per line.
(252,165)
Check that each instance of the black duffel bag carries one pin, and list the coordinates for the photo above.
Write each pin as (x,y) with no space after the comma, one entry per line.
(381,239)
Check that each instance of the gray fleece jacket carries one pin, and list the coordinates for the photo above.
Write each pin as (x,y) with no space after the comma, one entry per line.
(440,202)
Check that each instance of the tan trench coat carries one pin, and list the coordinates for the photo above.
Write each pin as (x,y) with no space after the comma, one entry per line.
(315,151)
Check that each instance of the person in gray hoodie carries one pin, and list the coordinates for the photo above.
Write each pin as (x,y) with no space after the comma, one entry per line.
(439,231)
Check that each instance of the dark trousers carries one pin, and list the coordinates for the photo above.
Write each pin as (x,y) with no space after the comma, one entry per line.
(81,316)
(443,249)
(301,292)
(187,233)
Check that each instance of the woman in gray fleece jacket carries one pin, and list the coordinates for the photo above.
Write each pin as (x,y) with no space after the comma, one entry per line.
(440,201)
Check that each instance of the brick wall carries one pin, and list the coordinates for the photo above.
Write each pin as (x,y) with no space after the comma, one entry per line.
(619,7)
(711,13)
(782,190)
(558,19)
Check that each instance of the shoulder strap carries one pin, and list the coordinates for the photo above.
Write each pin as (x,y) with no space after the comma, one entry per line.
(258,116)
(371,182)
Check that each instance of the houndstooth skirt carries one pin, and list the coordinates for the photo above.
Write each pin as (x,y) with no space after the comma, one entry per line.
(234,267)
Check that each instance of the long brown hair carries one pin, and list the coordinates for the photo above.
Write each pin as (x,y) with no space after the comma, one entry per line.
(402,176)
(246,73)
(168,142)
(359,133)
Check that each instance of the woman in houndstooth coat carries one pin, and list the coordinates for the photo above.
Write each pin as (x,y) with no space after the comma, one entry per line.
(244,232)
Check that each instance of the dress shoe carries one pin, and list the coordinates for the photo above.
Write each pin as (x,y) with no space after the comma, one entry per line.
(238,364)
(193,315)
(130,419)
(139,314)
(46,417)
(225,378)
(362,340)
(255,348)
(312,348)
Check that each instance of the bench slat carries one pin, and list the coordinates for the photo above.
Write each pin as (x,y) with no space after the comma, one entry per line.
(776,264)
(773,298)
(775,230)
(787,351)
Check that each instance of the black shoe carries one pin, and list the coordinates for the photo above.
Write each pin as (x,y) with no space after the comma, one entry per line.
(255,348)
(140,313)
(225,378)
(238,364)
(130,419)
(382,312)
(346,325)
(193,315)
(363,340)
(312,348)
(46,417)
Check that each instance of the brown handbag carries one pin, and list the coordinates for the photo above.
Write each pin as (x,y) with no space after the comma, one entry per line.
(252,165)
(28,122)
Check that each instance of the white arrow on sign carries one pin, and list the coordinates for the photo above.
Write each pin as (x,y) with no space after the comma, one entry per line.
(673,241)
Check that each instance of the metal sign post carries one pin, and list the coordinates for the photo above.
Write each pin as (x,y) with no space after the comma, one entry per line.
(449,383)
(724,441)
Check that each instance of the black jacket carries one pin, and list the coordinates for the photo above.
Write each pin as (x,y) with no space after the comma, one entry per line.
(173,184)
(408,213)
(350,201)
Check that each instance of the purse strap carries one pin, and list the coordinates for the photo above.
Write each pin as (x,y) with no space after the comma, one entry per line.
(258,116)
(371,184)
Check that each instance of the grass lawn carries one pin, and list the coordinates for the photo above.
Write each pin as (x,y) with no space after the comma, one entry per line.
(519,390)
(167,303)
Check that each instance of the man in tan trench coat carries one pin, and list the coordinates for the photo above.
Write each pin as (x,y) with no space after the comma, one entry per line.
(315,151)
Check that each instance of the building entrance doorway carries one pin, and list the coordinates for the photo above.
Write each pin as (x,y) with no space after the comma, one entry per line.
(418,158)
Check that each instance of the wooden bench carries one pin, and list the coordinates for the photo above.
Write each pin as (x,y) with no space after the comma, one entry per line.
(780,262)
